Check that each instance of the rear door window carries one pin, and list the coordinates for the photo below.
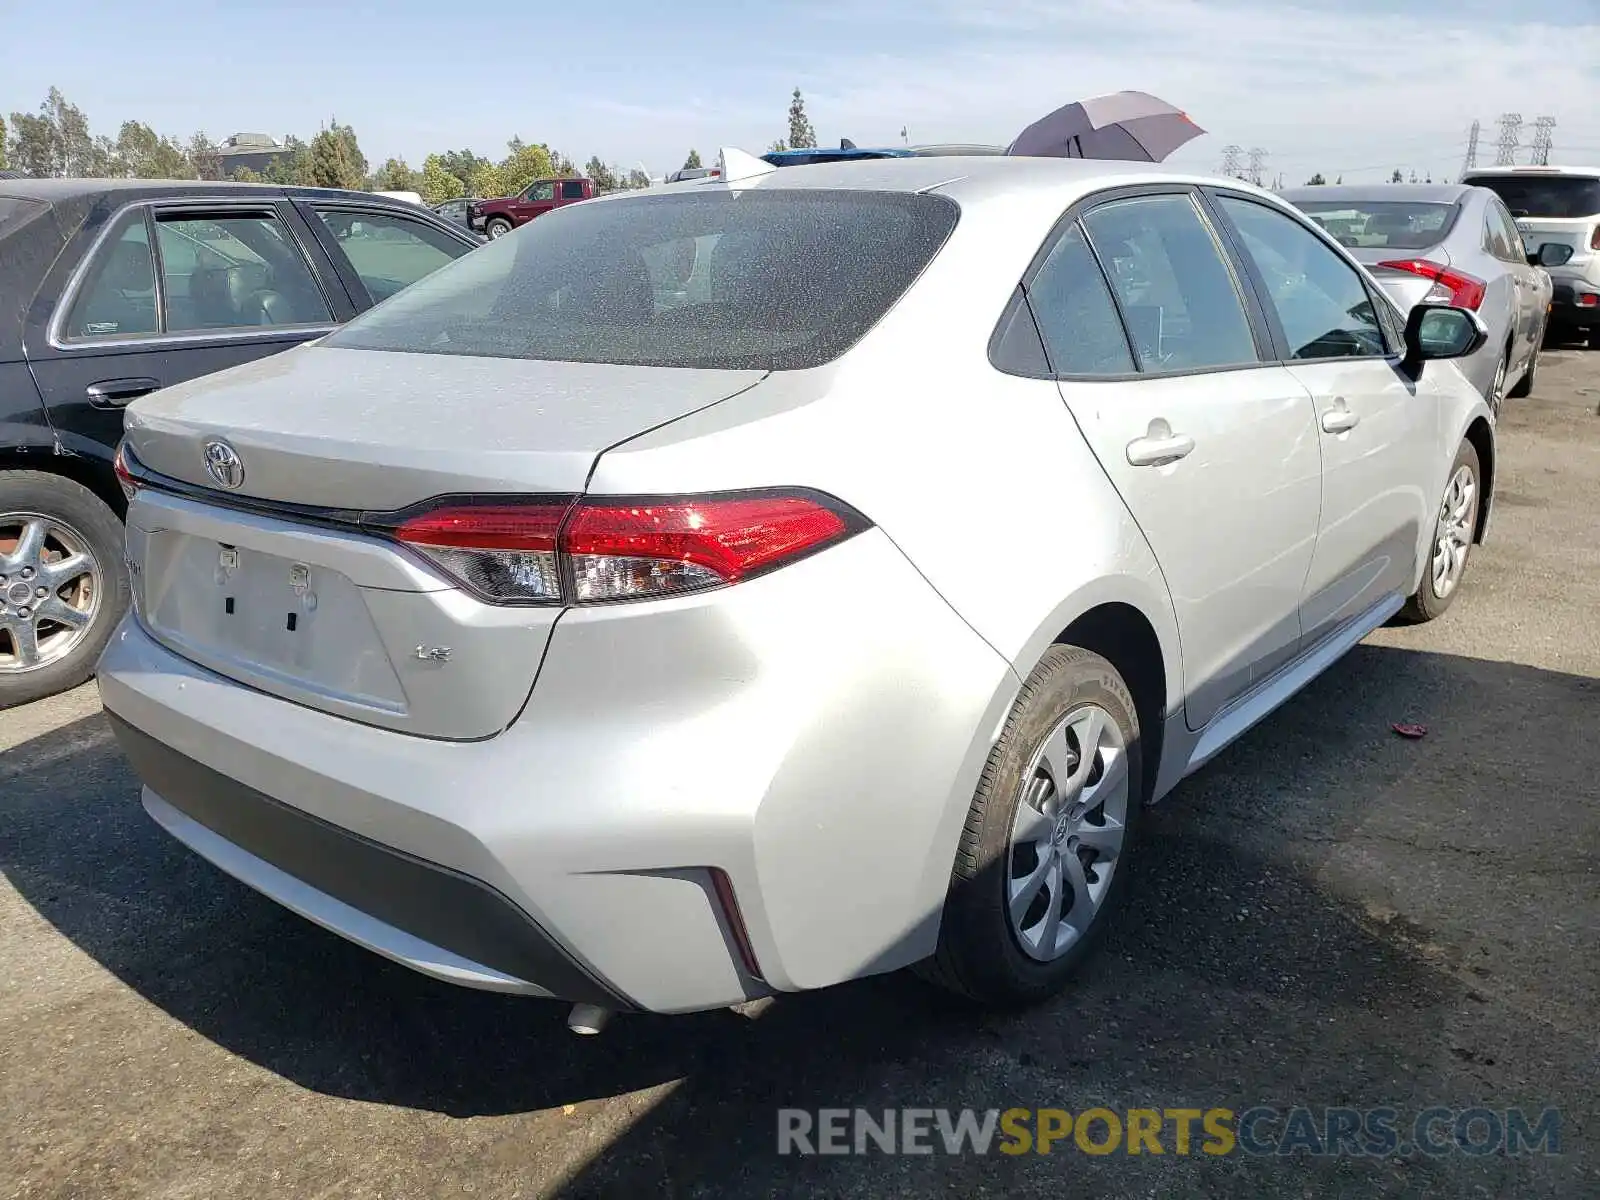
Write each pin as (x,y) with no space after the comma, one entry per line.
(1177,292)
(1076,315)
(389,251)
(776,280)
(117,297)
(231,270)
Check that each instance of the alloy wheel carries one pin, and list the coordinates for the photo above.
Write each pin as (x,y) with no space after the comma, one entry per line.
(1068,832)
(50,590)
(1453,537)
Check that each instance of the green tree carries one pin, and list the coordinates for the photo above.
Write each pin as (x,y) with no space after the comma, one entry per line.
(1316,180)
(1397,177)
(396,176)
(778,147)
(334,160)
(438,182)
(32,145)
(461,164)
(521,167)
(801,135)
(205,157)
(486,182)
(561,165)
(139,153)
(292,166)
(55,141)
(638,180)
(692,163)
(605,178)
(2,143)
(246,175)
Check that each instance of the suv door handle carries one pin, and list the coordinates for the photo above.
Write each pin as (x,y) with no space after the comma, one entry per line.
(118,393)
(1339,420)
(1153,451)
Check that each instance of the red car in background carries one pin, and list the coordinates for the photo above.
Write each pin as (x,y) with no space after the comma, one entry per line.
(495,218)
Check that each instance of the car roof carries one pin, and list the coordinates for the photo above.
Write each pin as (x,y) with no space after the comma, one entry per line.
(1426,193)
(966,178)
(56,191)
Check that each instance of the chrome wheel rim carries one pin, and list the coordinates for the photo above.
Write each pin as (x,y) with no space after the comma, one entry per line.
(1497,389)
(1068,833)
(50,589)
(496,229)
(1457,515)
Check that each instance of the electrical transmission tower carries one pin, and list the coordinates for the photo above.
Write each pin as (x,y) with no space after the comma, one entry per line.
(1230,162)
(1258,162)
(1542,141)
(1510,139)
(1472,147)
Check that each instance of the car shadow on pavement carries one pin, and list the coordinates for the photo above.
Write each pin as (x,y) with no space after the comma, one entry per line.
(1313,919)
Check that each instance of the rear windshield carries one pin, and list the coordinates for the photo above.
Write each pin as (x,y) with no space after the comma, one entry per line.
(1382,224)
(1562,197)
(778,280)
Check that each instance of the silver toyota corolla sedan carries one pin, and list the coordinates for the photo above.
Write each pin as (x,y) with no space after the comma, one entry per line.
(1448,243)
(772,580)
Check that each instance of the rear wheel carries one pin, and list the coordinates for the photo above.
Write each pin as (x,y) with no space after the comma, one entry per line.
(1453,531)
(1041,864)
(62,584)
(497,227)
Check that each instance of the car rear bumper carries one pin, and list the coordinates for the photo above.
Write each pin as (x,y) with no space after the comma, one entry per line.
(1575,302)
(810,739)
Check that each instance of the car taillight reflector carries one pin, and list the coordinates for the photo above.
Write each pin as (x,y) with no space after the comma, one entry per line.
(600,550)
(504,552)
(1449,287)
(125,479)
(1594,239)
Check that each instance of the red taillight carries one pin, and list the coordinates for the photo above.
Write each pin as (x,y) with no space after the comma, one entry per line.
(596,551)
(1594,239)
(1449,287)
(125,478)
(619,551)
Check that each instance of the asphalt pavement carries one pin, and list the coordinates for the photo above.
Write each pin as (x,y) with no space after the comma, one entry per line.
(1328,916)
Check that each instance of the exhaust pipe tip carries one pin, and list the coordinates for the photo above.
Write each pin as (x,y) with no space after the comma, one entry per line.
(588,1019)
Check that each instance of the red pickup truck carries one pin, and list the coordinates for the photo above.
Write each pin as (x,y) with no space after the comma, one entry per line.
(496,218)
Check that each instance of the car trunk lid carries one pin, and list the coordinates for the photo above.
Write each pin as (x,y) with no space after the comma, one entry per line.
(284,582)
(1405,288)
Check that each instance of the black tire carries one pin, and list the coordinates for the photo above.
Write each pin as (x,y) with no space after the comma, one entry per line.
(1524,387)
(979,957)
(1427,604)
(75,506)
(496,227)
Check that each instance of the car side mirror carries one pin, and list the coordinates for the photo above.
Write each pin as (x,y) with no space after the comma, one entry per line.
(1435,331)
(1551,254)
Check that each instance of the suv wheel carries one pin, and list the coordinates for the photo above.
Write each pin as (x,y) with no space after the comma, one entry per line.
(497,227)
(1041,863)
(62,584)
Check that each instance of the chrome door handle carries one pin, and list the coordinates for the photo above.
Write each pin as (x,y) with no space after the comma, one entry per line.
(1339,420)
(1158,451)
(118,393)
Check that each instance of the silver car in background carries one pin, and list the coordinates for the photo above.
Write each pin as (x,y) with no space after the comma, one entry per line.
(1447,243)
(769,580)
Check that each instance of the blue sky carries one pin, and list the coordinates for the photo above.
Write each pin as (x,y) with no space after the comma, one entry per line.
(1358,88)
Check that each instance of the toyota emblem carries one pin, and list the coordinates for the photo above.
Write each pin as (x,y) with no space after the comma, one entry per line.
(223,465)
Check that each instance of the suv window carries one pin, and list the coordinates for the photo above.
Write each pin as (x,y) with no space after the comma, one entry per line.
(1505,239)
(1076,315)
(118,294)
(1553,197)
(572,189)
(389,251)
(1177,292)
(235,271)
(778,280)
(1321,300)
(542,191)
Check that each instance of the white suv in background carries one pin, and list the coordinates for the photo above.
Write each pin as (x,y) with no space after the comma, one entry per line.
(1558,204)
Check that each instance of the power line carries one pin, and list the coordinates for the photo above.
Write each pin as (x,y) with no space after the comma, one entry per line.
(1510,139)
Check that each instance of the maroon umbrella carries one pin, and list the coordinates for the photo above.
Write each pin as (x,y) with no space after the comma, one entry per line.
(1123,125)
